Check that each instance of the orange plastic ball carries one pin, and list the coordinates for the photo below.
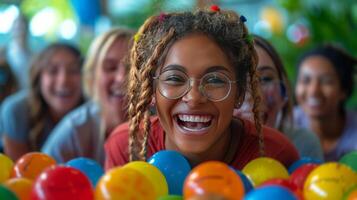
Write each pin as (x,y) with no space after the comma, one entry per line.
(32,164)
(213,178)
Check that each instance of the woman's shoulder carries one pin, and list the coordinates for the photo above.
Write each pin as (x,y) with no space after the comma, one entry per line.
(351,126)
(16,102)
(122,130)
(299,117)
(272,136)
(276,145)
(87,113)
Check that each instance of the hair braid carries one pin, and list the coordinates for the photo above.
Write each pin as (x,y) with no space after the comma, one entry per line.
(142,94)
(254,81)
(136,61)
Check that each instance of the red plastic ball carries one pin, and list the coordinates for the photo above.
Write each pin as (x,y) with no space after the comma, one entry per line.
(62,183)
(285,183)
(299,176)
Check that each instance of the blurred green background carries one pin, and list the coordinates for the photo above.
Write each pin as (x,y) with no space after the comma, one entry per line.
(293,26)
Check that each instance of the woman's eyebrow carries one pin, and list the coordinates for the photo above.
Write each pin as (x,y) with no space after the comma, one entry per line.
(173,67)
(216,68)
(267,68)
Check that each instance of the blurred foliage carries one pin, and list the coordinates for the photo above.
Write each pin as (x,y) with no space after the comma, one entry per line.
(139,13)
(333,21)
(135,18)
(31,7)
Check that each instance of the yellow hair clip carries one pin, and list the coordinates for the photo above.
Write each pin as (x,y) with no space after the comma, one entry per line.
(137,37)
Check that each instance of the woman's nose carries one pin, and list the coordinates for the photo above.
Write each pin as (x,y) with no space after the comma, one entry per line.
(194,95)
(120,74)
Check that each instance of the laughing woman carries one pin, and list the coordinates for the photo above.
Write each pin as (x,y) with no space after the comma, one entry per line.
(55,89)
(194,66)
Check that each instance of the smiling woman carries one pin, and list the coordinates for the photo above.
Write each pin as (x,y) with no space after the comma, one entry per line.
(55,89)
(194,66)
(325,82)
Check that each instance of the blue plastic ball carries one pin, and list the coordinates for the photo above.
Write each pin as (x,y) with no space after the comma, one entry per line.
(270,192)
(246,182)
(302,161)
(91,168)
(175,168)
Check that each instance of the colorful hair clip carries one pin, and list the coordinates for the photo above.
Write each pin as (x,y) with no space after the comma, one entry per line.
(215,8)
(242,18)
(162,17)
(137,37)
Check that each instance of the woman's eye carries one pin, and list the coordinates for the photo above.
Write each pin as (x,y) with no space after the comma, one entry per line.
(304,79)
(174,79)
(266,80)
(52,70)
(215,80)
(327,80)
(109,68)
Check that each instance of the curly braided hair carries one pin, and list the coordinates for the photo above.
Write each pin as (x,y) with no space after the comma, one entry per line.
(153,41)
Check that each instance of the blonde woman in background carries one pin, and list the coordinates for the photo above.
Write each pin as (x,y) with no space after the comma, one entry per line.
(82,132)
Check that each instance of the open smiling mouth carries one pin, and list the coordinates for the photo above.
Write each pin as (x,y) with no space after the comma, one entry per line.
(194,123)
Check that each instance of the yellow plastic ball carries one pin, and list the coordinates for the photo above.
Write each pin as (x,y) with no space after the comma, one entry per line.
(153,174)
(263,169)
(329,181)
(124,183)
(6,166)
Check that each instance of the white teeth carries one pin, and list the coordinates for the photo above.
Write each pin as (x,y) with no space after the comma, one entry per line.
(313,101)
(194,118)
(63,93)
(194,129)
(116,91)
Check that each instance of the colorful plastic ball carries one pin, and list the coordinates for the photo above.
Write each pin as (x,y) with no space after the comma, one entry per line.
(124,183)
(246,182)
(299,176)
(302,161)
(174,167)
(286,183)
(213,178)
(329,181)
(206,197)
(62,183)
(350,160)
(6,166)
(7,194)
(351,194)
(153,174)
(32,164)
(170,197)
(270,192)
(21,187)
(264,168)
(91,168)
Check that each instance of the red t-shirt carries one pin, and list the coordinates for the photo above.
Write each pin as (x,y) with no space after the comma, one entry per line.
(277,146)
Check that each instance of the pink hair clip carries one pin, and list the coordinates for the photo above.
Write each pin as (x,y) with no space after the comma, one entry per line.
(162,17)
(215,8)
